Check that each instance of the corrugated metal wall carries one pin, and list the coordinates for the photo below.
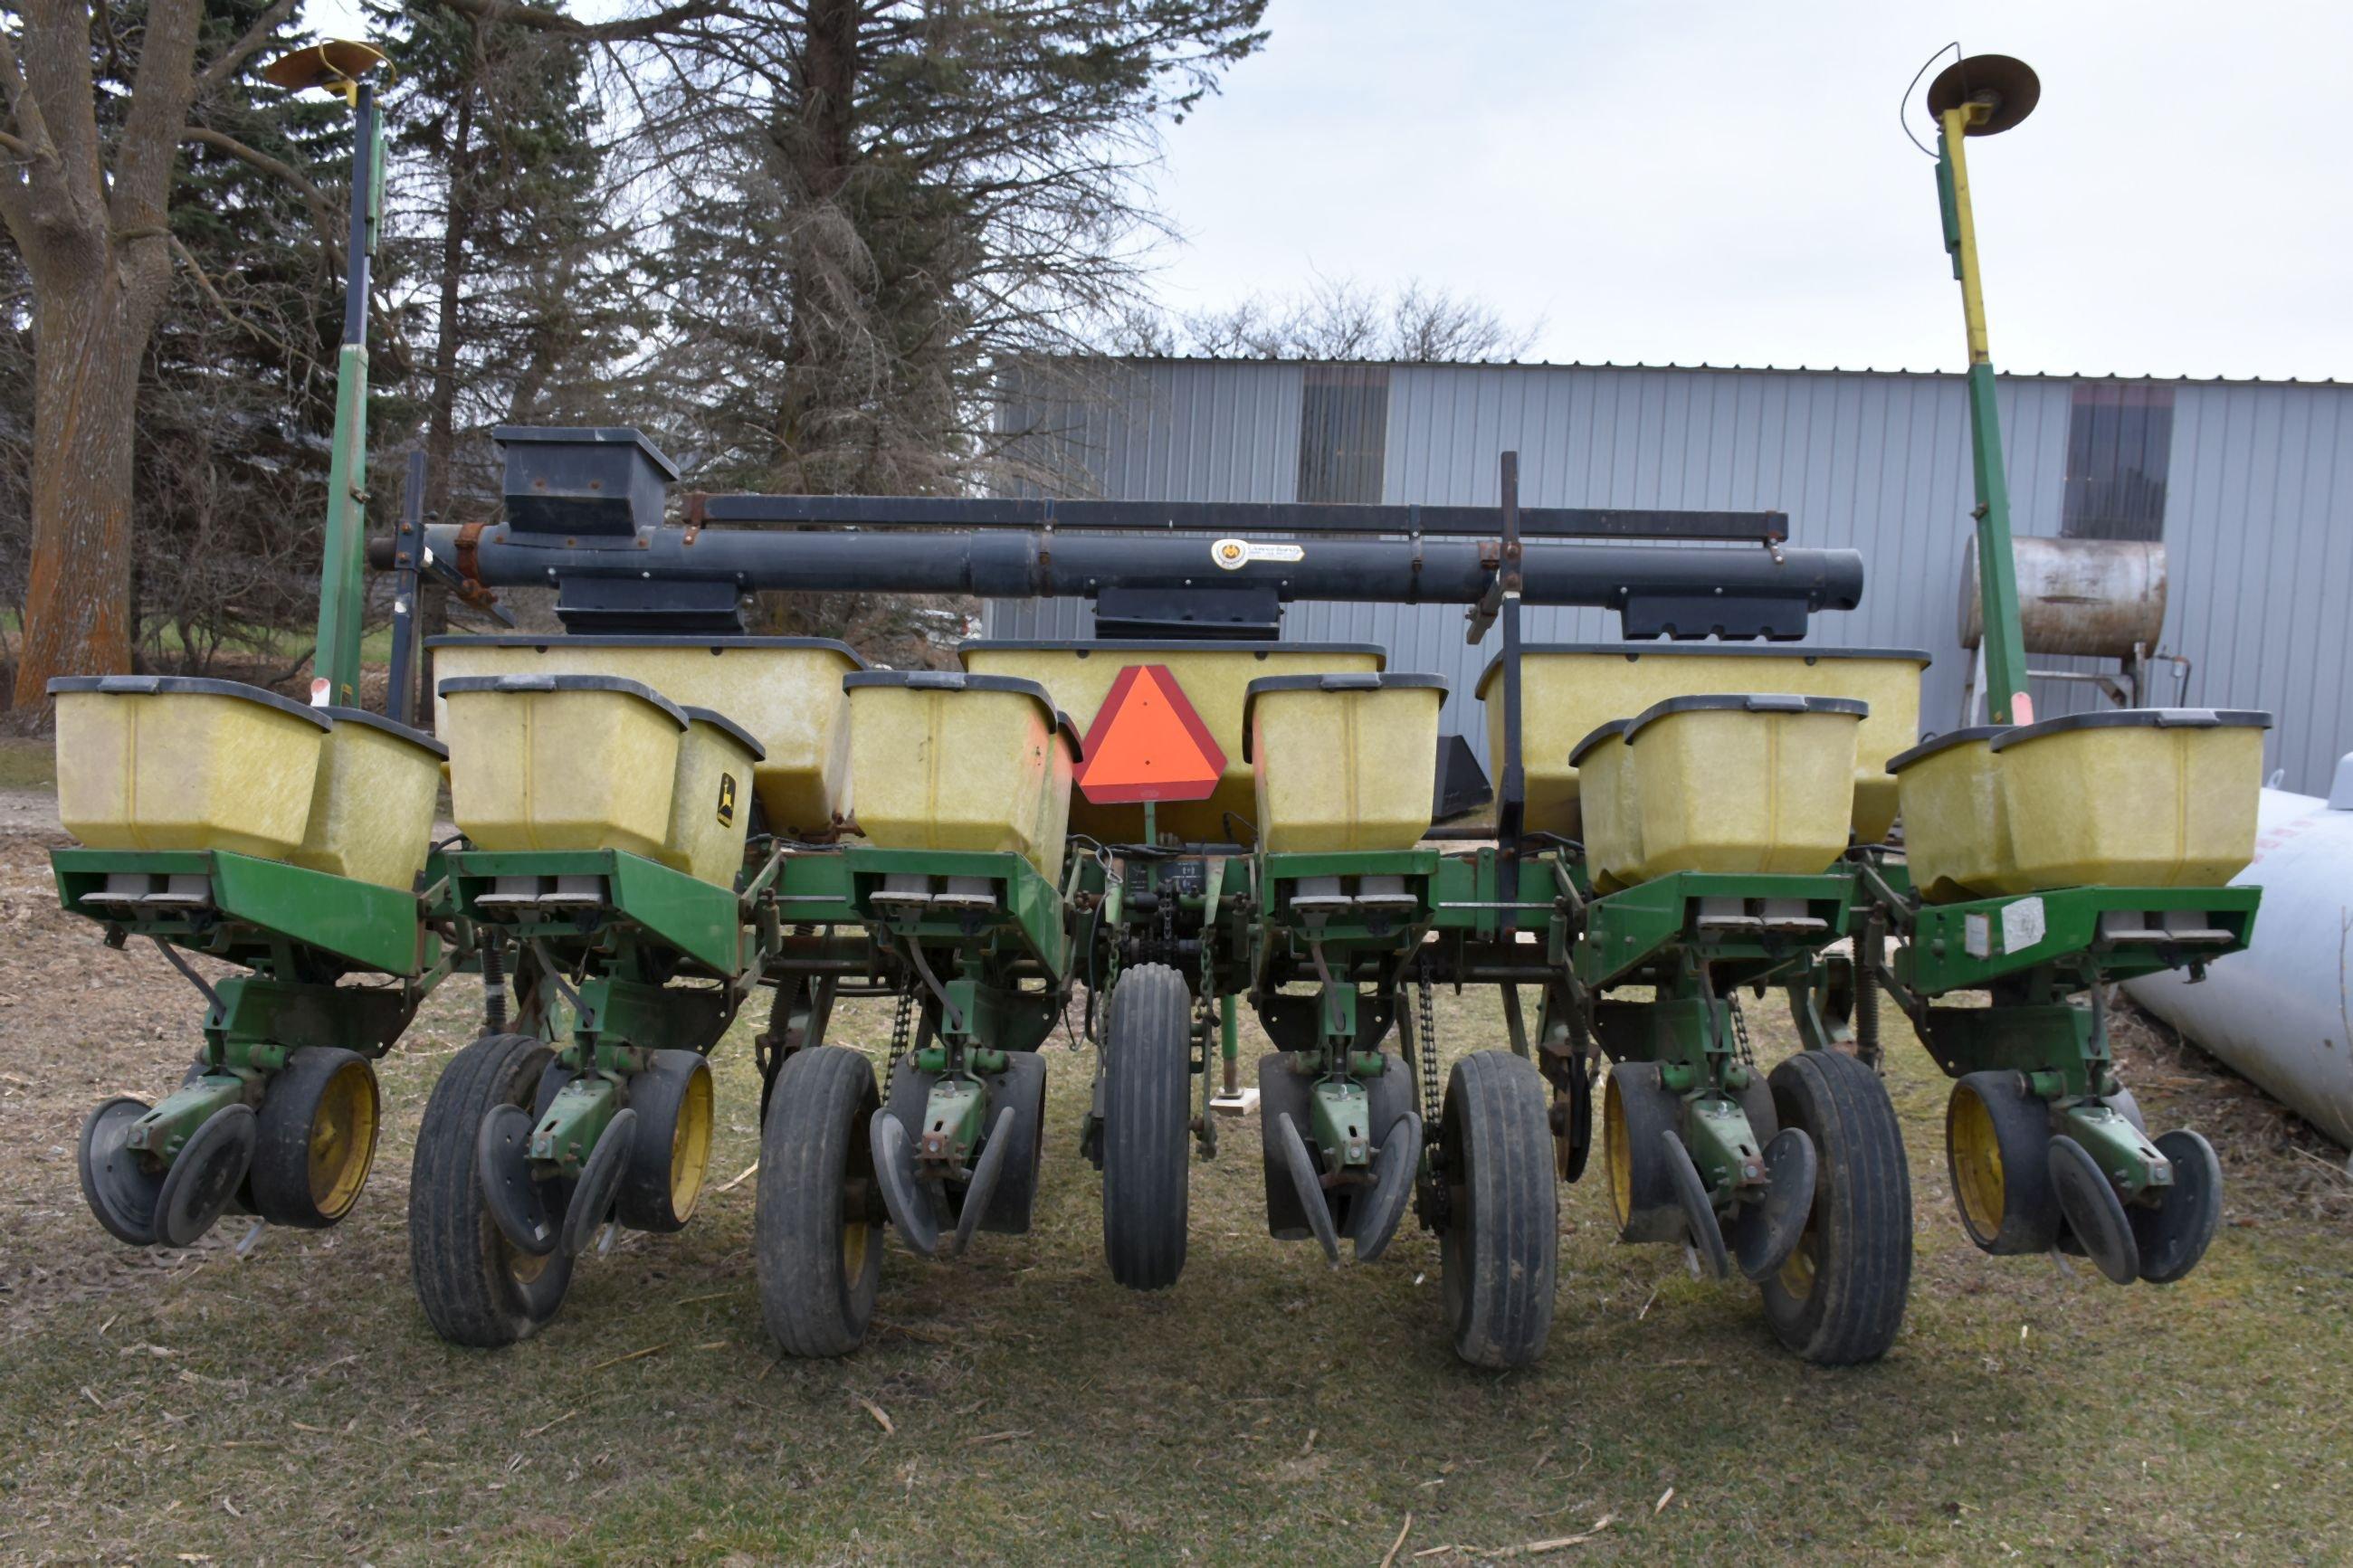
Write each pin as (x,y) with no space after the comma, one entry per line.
(2259,523)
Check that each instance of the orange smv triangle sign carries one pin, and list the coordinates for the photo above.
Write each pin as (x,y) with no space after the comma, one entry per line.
(1147,743)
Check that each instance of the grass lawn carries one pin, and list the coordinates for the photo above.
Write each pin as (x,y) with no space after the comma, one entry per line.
(279,642)
(1017,1407)
(28,761)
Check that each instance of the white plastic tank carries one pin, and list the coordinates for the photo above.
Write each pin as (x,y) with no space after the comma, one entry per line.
(2282,1010)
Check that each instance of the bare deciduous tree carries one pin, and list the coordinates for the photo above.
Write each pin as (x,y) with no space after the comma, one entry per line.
(88,210)
(1336,319)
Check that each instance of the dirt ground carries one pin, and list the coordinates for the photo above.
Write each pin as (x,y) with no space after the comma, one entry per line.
(288,1403)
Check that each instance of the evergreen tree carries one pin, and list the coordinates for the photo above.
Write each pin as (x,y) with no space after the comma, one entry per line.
(517,283)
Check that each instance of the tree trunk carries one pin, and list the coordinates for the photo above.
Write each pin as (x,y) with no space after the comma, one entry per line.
(441,405)
(88,342)
(818,143)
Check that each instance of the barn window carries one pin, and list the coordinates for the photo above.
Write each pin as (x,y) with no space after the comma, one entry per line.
(1344,423)
(2119,443)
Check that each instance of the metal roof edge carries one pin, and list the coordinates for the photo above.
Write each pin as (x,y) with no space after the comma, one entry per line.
(1702,367)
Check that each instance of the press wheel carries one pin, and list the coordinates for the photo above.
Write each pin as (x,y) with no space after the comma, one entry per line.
(320,1119)
(117,1183)
(1997,1151)
(670,1158)
(2174,1232)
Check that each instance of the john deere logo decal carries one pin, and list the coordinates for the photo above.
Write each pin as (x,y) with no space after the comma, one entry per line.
(726,800)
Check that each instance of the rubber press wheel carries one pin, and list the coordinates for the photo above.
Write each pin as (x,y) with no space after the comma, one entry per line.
(1839,1298)
(1996,1148)
(667,1160)
(1498,1253)
(320,1117)
(476,1287)
(818,1233)
(1636,1110)
(118,1183)
(1147,1118)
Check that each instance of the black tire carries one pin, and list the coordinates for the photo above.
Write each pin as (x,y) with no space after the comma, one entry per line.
(320,1119)
(1147,1118)
(1635,1111)
(1840,1299)
(670,1154)
(2173,1234)
(1998,1155)
(1498,1252)
(817,1232)
(476,1287)
(205,1175)
(116,1181)
(1572,1121)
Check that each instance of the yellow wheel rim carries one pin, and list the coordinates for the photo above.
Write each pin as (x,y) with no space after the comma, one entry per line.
(1622,1158)
(1798,1274)
(524,1267)
(690,1144)
(342,1139)
(853,1249)
(1975,1150)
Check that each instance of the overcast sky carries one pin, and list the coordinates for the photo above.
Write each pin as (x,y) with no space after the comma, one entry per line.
(1723,181)
(1680,181)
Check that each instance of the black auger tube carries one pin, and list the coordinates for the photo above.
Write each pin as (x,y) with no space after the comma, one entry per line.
(1011,565)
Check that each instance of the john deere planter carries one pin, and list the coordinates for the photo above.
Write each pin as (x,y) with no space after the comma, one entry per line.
(660,816)
(227,821)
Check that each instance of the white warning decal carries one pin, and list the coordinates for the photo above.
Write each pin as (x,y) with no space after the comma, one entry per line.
(2022,925)
(1233,554)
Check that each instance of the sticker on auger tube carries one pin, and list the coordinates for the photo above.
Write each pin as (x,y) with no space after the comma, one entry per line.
(1233,554)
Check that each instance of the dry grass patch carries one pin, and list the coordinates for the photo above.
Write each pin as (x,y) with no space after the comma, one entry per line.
(291,1404)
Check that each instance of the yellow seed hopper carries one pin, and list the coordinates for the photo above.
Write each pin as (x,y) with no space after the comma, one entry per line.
(1342,761)
(1743,781)
(944,759)
(1569,689)
(784,691)
(562,762)
(2134,797)
(177,761)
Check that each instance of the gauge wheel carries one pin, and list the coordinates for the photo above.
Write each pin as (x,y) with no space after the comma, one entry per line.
(1147,1122)
(817,1233)
(1498,1252)
(477,1288)
(1839,1299)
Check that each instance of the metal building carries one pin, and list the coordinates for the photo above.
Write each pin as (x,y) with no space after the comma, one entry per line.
(2249,485)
